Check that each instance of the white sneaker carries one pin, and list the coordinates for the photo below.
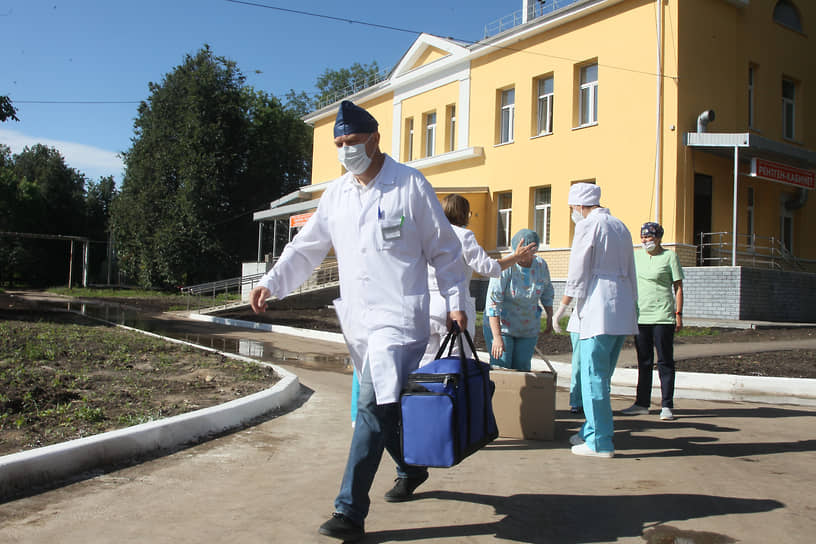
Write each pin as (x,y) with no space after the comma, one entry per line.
(635,410)
(576,439)
(583,449)
(666,414)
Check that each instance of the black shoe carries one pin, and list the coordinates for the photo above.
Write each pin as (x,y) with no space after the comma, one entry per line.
(342,528)
(576,409)
(404,488)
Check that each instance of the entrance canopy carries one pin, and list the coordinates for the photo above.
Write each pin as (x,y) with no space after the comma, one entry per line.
(756,148)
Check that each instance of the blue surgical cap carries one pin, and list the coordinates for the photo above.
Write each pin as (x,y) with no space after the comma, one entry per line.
(526,236)
(651,229)
(352,119)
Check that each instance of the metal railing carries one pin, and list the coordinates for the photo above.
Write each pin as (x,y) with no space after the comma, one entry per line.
(355,87)
(537,9)
(716,249)
(221,295)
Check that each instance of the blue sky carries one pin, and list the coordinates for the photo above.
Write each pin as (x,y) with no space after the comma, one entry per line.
(109,50)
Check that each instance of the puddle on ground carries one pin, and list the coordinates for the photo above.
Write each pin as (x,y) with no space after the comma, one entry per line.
(267,351)
(666,534)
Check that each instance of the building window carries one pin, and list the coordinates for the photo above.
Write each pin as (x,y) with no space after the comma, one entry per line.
(750,218)
(786,14)
(545,106)
(508,113)
(505,201)
(588,95)
(409,139)
(450,121)
(751,75)
(430,134)
(788,109)
(541,214)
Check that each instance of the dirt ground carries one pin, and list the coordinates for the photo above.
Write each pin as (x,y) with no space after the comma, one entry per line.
(798,363)
(64,376)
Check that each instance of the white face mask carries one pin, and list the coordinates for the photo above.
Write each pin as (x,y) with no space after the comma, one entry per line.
(577,216)
(354,157)
(649,246)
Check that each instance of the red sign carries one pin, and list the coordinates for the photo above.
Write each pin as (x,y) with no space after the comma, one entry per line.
(783,173)
(299,220)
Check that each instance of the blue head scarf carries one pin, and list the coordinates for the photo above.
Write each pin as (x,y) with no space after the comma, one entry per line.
(526,237)
(352,119)
(651,229)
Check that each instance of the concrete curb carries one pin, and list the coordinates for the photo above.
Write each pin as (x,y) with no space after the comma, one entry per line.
(688,385)
(23,471)
(701,386)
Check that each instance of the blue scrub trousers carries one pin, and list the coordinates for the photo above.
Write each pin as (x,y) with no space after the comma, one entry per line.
(599,356)
(518,350)
(376,429)
(575,378)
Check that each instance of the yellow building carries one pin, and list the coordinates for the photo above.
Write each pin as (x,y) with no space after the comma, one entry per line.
(656,101)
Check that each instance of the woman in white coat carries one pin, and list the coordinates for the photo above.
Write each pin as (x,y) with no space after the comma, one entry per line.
(475,258)
(602,280)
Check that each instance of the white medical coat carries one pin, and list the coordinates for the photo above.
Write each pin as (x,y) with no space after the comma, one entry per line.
(602,277)
(474,258)
(383,237)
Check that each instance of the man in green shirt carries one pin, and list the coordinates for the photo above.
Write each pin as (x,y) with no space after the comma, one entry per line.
(660,315)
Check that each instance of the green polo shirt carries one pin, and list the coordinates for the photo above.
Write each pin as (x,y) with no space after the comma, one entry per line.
(655,276)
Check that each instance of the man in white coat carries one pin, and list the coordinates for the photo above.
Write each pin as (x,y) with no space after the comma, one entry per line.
(385,224)
(602,280)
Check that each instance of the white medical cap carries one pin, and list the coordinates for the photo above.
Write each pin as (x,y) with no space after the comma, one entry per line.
(584,194)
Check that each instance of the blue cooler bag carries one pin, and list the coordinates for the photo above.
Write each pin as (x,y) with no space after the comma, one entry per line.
(446,408)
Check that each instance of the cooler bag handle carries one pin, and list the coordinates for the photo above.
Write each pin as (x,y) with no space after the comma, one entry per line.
(458,333)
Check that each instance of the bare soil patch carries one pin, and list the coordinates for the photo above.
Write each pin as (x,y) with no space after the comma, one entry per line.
(64,376)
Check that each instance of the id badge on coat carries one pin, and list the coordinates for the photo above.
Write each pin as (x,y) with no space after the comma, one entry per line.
(391,229)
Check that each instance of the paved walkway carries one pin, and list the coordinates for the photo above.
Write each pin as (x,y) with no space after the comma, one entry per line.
(722,472)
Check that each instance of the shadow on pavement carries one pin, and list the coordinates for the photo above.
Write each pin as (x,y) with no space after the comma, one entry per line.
(540,518)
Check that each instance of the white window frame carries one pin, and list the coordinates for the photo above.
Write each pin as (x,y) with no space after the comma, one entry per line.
(430,134)
(452,128)
(588,96)
(545,105)
(503,219)
(751,97)
(789,110)
(507,113)
(542,213)
(410,135)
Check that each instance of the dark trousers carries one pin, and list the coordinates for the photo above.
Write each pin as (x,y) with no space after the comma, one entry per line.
(653,338)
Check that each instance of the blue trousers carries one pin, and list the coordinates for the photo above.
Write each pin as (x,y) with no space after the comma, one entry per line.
(376,429)
(599,356)
(575,378)
(658,337)
(518,350)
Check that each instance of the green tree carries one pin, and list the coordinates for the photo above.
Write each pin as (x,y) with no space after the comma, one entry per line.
(208,151)
(40,194)
(7,110)
(332,85)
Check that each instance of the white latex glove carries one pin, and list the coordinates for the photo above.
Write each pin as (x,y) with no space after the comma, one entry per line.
(559,313)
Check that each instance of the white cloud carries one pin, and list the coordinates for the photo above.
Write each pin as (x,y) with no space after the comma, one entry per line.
(91,161)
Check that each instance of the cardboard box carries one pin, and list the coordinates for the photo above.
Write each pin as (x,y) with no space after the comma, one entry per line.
(524,404)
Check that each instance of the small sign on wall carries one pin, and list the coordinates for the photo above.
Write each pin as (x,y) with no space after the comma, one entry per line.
(782,173)
(299,220)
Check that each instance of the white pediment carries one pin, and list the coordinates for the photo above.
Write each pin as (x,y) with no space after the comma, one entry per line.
(428,48)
